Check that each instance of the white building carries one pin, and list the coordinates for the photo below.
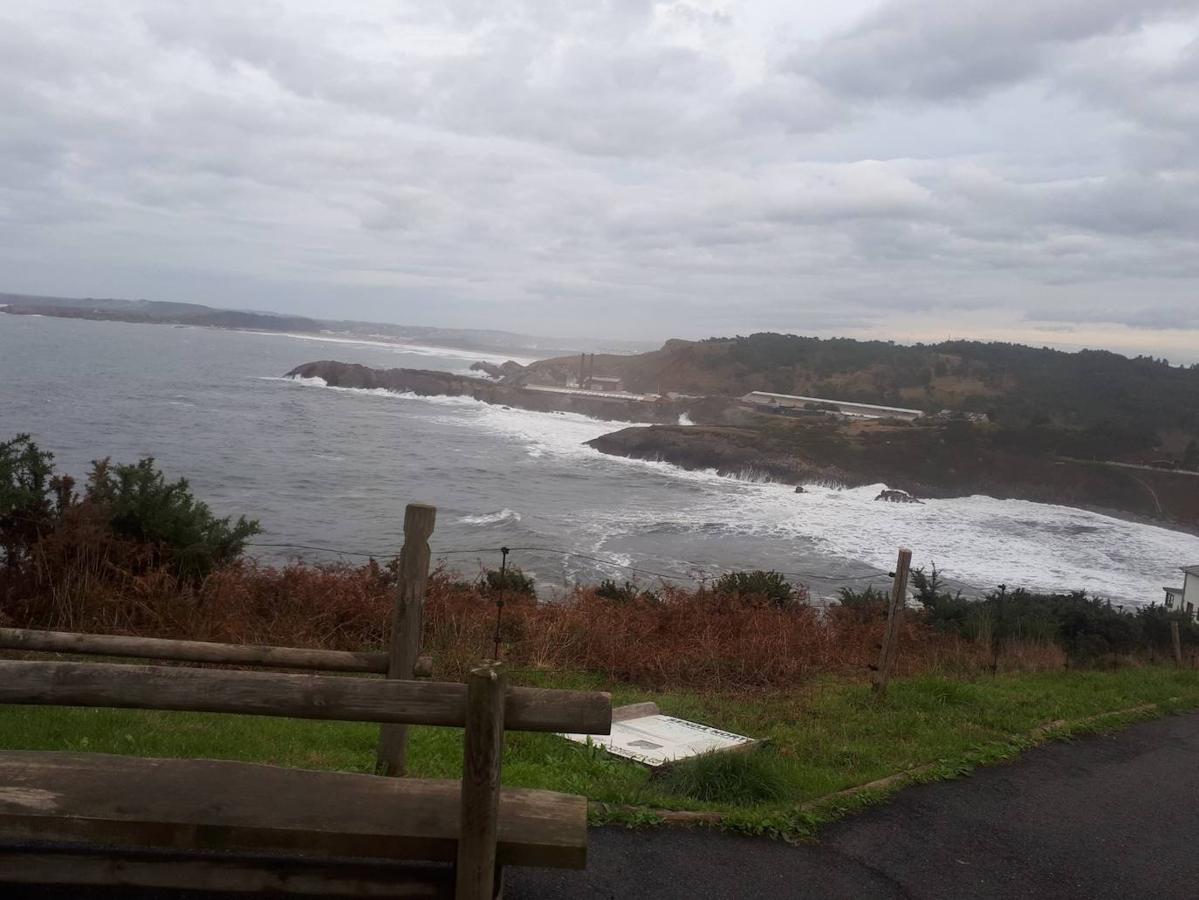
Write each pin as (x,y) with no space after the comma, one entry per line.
(1185,598)
(846,408)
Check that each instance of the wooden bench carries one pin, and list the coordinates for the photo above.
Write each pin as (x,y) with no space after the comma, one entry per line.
(81,818)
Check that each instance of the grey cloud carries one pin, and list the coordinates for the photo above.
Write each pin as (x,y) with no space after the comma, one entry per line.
(1180,316)
(563,167)
(941,51)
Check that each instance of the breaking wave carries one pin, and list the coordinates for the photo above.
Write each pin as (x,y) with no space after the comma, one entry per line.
(493,518)
(619,506)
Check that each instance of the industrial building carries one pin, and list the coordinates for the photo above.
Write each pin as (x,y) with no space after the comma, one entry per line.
(605,383)
(844,407)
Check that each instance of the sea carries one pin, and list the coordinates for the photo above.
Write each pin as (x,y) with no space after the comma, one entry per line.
(328,472)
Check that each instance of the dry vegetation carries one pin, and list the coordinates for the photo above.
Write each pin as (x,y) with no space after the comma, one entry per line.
(672,638)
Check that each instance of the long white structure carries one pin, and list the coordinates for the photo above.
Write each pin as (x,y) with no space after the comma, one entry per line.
(845,407)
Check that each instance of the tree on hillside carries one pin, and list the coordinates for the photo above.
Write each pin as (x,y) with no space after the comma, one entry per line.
(1190,457)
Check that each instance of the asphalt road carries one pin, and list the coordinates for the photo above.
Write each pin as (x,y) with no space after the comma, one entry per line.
(1113,816)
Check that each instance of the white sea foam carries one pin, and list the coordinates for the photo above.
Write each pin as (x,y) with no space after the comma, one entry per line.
(976,540)
(502,516)
(314,381)
(685,419)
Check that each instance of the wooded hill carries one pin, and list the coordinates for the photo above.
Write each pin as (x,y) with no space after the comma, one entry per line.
(1128,406)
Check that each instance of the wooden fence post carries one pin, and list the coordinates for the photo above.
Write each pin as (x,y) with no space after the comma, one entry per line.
(1176,640)
(899,597)
(406,625)
(486,689)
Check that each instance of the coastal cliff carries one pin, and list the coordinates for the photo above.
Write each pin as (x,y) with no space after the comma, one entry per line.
(934,460)
(930,458)
(510,391)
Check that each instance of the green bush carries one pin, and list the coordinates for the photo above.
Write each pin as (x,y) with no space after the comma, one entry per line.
(769,586)
(26,472)
(624,592)
(737,777)
(166,517)
(861,599)
(1085,627)
(511,581)
(135,503)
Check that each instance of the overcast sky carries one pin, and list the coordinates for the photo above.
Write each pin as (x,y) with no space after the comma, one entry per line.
(913,169)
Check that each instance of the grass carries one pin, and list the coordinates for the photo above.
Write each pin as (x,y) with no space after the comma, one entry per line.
(825,737)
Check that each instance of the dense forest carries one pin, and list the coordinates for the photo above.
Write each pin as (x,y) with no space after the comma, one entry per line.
(1092,403)
(1016,384)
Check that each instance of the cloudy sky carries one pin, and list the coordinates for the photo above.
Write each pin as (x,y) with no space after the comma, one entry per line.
(913,169)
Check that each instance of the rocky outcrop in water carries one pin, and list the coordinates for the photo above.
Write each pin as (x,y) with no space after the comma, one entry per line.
(508,370)
(404,381)
(503,393)
(893,496)
(741,452)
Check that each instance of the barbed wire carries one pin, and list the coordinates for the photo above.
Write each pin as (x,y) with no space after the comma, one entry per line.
(339,552)
(573,554)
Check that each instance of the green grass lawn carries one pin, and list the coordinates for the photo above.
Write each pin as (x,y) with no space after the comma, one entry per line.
(825,737)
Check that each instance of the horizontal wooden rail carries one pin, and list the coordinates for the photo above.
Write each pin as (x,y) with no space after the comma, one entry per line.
(191,651)
(346,699)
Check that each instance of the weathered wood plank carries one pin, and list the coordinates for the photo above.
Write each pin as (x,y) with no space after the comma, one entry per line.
(899,597)
(192,651)
(635,711)
(294,696)
(248,808)
(237,875)
(407,626)
(483,750)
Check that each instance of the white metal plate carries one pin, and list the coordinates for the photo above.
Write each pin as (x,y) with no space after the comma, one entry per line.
(657,740)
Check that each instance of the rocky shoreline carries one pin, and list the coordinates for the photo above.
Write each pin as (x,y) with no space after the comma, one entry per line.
(915,461)
(508,391)
(926,460)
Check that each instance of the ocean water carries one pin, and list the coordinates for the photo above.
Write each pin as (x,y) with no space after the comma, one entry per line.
(333,468)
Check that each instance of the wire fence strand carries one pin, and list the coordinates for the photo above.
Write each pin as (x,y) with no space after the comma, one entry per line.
(704,574)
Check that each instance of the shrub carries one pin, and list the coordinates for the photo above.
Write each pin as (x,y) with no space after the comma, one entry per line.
(511,581)
(857,599)
(612,590)
(26,477)
(130,520)
(728,777)
(1085,627)
(625,592)
(769,586)
(180,530)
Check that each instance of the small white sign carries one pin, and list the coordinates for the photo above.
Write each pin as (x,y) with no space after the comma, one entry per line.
(658,740)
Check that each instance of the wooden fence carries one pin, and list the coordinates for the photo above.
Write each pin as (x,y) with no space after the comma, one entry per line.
(402,660)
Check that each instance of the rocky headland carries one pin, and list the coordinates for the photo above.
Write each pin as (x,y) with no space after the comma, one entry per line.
(933,460)
(507,386)
(929,458)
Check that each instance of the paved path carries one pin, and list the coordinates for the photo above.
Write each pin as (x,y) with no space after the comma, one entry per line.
(1113,816)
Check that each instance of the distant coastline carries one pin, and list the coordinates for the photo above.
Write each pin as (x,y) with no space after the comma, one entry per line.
(709,428)
(154,312)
